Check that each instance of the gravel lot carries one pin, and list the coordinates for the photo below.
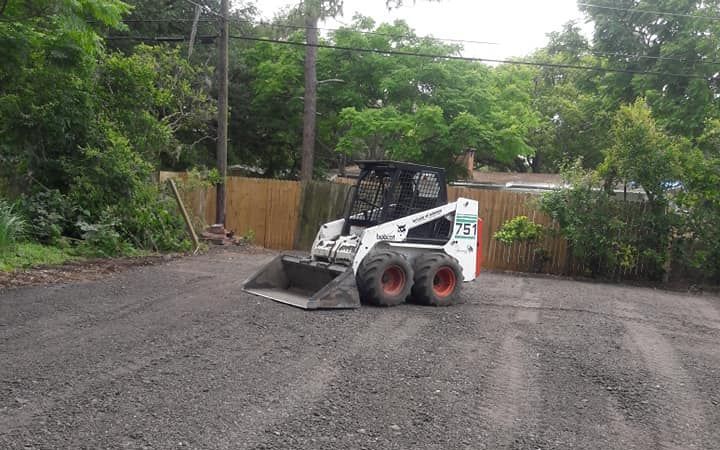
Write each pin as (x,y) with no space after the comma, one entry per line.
(176,356)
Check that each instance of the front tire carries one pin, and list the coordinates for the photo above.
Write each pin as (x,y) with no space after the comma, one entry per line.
(385,279)
(438,279)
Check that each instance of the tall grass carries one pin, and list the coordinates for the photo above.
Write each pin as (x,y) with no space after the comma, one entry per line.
(12,226)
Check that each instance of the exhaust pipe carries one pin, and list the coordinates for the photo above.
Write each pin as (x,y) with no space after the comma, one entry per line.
(305,284)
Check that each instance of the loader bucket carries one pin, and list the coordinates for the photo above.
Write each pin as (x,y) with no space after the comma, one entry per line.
(305,284)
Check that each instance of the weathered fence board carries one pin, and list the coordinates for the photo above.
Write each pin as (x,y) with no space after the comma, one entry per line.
(321,203)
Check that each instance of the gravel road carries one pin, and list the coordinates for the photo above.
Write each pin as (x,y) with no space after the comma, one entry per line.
(175,356)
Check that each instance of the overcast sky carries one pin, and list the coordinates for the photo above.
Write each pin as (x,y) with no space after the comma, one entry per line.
(519,26)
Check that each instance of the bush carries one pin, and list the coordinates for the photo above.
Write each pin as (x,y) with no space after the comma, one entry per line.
(50,216)
(115,187)
(700,207)
(12,226)
(608,237)
(519,229)
(103,240)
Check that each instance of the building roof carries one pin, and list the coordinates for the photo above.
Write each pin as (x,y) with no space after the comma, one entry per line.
(504,178)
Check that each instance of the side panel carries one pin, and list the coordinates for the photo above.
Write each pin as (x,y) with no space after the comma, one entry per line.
(463,243)
(330,230)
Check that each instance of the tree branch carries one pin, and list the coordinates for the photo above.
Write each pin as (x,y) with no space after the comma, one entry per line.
(193,32)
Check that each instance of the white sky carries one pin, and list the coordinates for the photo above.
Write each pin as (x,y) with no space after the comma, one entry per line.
(519,26)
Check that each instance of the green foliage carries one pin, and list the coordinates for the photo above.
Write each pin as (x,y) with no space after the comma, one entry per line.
(49,51)
(30,254)
(642,153)
(403,108)
(81,130)
(608,237)
(249,236)
(50,215)
(518,230)
(114,186)
(158,101)
(374,106)
(671,44)
(700,203)
(102,240)
(199,178)
(12,226)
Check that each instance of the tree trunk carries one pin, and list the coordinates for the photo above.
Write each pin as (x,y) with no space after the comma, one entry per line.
(311,21)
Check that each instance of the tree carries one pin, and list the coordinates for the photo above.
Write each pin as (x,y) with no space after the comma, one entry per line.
(160,102)
(654,42)
(699,201)
(643,153)
(423,110)
(313,10)
(49,51)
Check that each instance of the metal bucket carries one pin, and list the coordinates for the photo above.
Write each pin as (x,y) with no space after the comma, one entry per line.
(305,284)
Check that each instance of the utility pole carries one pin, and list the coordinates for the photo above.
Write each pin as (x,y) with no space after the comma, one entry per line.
(222,132)
(312,14)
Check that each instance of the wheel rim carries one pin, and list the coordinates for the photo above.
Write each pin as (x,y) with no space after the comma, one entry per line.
(393,280)
(444,282)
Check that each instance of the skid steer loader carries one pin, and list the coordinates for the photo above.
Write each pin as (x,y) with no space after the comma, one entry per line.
(399,239)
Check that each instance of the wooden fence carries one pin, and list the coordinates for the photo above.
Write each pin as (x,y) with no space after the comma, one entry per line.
(282,217)
(264,209)
(496,207)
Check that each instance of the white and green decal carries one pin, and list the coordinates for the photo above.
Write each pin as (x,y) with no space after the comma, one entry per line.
(465,226)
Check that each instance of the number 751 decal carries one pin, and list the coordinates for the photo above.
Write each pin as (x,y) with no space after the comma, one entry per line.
(465,230)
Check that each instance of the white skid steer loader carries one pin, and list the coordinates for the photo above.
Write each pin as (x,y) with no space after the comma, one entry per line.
(399,239)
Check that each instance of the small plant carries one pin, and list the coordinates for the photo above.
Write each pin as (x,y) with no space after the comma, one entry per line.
(199,178)
(519,229)
(12,226)
(101,239)
(50,216)
(249,236)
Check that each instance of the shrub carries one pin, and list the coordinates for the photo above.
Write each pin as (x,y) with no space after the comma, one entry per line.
(608,237)
(12,226)
(700,206)
(519,229)
(115,187)
(103,240)
(50,215)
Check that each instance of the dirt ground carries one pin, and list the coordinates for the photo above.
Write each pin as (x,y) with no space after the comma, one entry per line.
(176,356)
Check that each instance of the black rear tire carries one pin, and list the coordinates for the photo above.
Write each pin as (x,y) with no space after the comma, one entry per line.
(385,279)
(438,280)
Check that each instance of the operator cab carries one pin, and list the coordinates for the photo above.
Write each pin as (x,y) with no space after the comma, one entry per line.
(389,190)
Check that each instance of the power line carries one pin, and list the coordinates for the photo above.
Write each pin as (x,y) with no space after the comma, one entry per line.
(371,33)
(394,36)
(470,59)
(419,55)
(159,38)
(301,27)
(647,11)
(658,58)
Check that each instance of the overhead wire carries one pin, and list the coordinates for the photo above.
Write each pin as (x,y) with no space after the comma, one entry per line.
(470,59)
(647,11)
(301,27)
(399,36)
(418,54)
